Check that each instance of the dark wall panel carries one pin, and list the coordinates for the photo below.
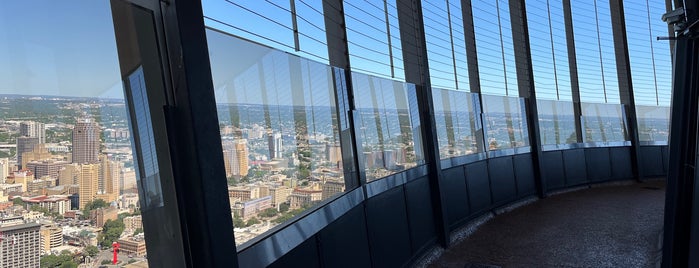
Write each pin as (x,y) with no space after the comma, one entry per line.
(389,233)
(666,159)
(304,255)
(598,165)
(524,173)
(478,186)
(652,161)
(455,194)
(621,163)
(502,179)
(575,167)
(344,242)
(552,172)
(420,213)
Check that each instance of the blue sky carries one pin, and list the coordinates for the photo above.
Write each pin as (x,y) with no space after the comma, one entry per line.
(59,49)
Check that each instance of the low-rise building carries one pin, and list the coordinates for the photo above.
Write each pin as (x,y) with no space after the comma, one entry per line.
(133,245)
(51,237)
(53,203)
(133,222)
(248,209)
(101,215)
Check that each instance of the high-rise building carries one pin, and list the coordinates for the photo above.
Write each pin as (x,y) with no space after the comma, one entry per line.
(47,167)
(25,145)
(239,158)
(274,141)
(4,169)
(86,141)
(21,245)
(69,175)
(33,129)
(38,153)
(89,182)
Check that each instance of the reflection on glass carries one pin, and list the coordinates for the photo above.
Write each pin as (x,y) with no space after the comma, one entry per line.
(457,119)
(505,122)
(653,123)
(389,125)
(556,122)
(279,130)
(603,122)
(66,164)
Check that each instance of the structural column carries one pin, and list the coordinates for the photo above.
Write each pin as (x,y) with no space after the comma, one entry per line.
(338,55)
(621,51)
(573,67)
(412,35)
(525,82)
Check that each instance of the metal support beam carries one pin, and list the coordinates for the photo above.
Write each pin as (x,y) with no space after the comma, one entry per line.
(338,55)
(626,95)
(525,82)
(197,143)
(412,35)
(573,67)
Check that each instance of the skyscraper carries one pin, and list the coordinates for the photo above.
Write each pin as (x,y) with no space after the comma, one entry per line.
(275,145)
(34,130)
(239,158)
(25,145)
(86,141)
(4,169)
(89,183)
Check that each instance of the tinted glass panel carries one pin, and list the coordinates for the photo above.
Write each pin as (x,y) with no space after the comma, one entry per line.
(389,127)
(279,130)
(603,122)
(457,117)
(505,122)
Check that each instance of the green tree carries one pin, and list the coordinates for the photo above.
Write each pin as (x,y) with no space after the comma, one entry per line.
(91,251)
(18,202)
(111,231)
(90,206)
(238,222)
(283,207)
(252,221)
(65,260)
(138,231)
(267,213)
(104,262)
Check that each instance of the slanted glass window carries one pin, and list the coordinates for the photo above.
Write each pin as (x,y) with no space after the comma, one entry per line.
(373,37)
(594,51)
(505,122)
(651,67)
(446,48)
(457,118)
(279,128)
(295,26)
(603,122)
(389,125)
(494,47)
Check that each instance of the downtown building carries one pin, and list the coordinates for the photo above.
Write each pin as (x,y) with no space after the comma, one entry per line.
(20,245)
(86,141)
(33,129)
